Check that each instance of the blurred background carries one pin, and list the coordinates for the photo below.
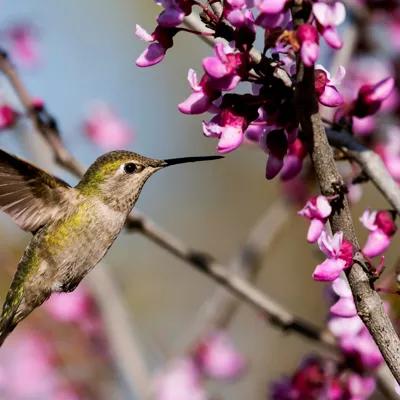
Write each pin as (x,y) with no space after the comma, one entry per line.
(87,53)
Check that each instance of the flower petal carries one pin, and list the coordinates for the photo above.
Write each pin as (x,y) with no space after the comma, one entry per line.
(315,230)
(331,97)
(329,270)
(231,138)
(377,243)
(344,307)
(196,103)
(154,54)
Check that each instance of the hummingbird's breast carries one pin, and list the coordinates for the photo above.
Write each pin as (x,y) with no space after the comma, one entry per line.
(70,247)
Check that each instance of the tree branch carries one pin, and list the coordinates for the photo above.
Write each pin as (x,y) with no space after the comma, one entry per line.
(368,303)
(371,164)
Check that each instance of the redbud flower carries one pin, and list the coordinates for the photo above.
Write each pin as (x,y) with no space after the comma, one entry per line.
(217,357)
(370,97)
(180,381)
(174,13)
(309,48)
(276,144)
(344,306)
(224,67)
(8,117)
(293,162)
(202,97)
(24,45)
(328,17)
(361,387)
(105,129)
(339,252)
(362,348)
(228,128)
(325,86)
(345,326)
(160,41)
(317,210)
(382,228)
(270,6)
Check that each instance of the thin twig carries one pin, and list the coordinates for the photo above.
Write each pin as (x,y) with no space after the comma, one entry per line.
(371,164)
(369,304)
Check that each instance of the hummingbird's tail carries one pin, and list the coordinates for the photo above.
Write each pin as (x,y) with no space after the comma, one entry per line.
(11,314)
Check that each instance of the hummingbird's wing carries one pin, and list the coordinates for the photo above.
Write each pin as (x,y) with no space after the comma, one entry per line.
(31,196)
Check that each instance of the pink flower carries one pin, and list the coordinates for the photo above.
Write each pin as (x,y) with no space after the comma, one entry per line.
(363,348)
(270,6)
(70,307)
(180,381)
(8,117)
(217,357)
(105,129)
(173,14)
(202,97)
(325,86)
(317,210)
(228,128)
(370,97)
(276,145)
(345,326)
(339,252)
(309,48)
(344,306)
(381,227)
(160,41)
(361,387)
(24,45)
(224,68)
(329,16)
(293,162)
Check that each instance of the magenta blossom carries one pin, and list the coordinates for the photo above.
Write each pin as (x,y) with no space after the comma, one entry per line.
(8,117)
(317,210)
(325,86)
(329,16)
(202,97)
(225,67)
(381,227)
(389,150)
(362,348)
(174,12)
(160,41)
(228,128)
(105,129)
(217,357)
(339,252)
(370,97)
(309,48)
(24,45)
(180,381)
(344,306)
(293,162)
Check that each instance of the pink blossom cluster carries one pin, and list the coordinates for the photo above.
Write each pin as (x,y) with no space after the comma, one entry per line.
(264,115)
(337,249)
(318,378)
(215,357)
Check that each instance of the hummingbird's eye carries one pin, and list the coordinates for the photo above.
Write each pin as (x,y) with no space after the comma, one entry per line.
(130,168)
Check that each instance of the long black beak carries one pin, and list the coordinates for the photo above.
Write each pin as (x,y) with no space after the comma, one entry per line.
(182,160)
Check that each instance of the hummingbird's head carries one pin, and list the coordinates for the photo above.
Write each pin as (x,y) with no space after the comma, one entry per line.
(118,177)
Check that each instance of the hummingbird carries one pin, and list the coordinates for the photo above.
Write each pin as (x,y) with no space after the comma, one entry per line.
(72,227)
